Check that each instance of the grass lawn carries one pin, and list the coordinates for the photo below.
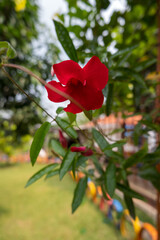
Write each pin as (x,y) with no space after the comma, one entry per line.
(43,210)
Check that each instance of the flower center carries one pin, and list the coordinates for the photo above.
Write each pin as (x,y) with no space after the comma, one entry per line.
(75,81)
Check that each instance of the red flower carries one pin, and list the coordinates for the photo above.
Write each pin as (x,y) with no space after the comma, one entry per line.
(84,85)
(62,139)
(88,152)
(83,150)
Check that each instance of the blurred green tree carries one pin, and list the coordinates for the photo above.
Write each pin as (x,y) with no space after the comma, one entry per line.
(22,29)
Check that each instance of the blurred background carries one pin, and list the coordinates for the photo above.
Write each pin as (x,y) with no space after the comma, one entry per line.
(97,27)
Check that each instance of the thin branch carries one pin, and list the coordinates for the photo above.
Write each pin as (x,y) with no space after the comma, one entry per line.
(83,132)
(12,80)
(54,89)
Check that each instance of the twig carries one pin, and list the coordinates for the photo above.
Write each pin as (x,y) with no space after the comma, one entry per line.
(12,80)
(65,95)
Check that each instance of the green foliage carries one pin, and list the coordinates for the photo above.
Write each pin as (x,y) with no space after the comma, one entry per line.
(79,193)
(71,116)
(129,32)
(109,98)
(136,157)
(38,141)
(81,160)
(130,205)
(102,142)
(110,179)
(7,50)
(20,30)
(66,163)
(52,173)
(65,40)
(129,192)
(97,164)
(145,64)
(88,114)
(40,174)
(151,174)
(116,144)
(59,110)
(66,127)
(57,148)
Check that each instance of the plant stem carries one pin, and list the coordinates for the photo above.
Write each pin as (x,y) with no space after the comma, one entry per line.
(12,80)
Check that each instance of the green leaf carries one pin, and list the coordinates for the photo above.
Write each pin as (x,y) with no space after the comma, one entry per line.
(127,72)
(79,193)
(154,156)
(145,64)
(71,116)
(99,138)
(74,167)
(66,163)
(124,51)
(137,77)
(59,110)
(131,115)
(151,125)
(8,49)
(80,161)
(129,192)
(150,174)
(41,173)
(110,179)
(138,131)
(136,157)
(97,164)
(88,114)
(63,124)
(52,173)
(116,144)
(115,155)
(65,40)
(122,60)
(118,130)
(103,144)
(104,192)
(38,141)
(130,205)
(57,147)
(109,98)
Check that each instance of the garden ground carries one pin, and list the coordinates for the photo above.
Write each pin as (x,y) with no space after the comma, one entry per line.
(43,210)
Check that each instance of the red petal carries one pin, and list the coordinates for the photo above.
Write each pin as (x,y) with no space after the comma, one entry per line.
(86,96)
(72,108)
(96,73)
(62,139)
(88,153)
(68,70)
(78,149)
(53,96)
